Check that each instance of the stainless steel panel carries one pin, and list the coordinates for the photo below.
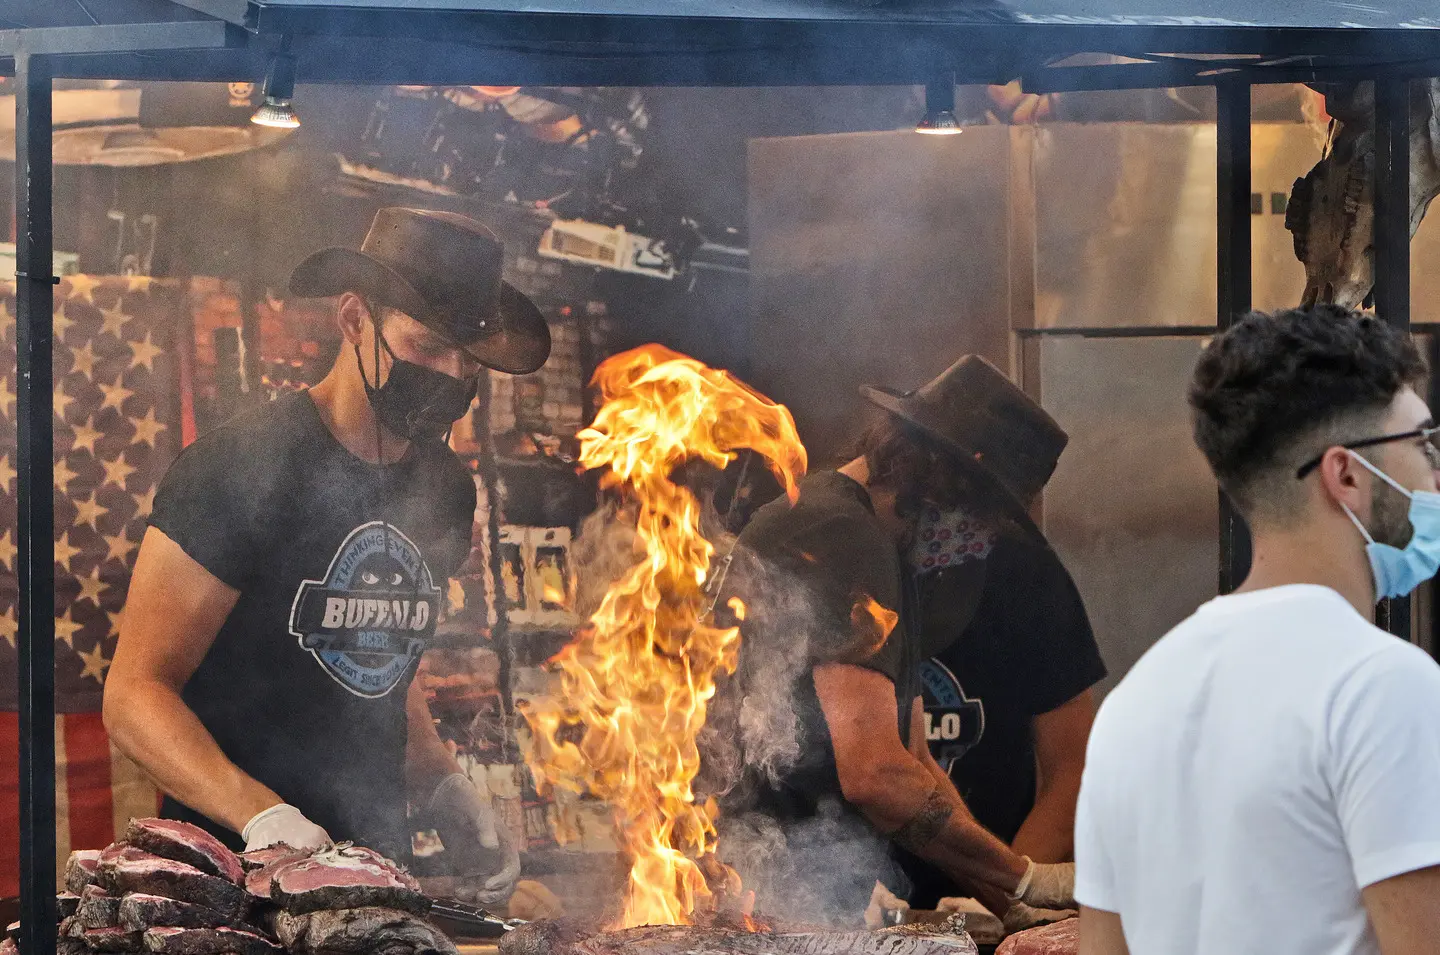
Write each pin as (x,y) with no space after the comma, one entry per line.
(1132,508)
(874,258)
(1125,222)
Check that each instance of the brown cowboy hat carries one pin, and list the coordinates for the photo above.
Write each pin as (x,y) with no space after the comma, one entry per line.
(443,270)
(998,433)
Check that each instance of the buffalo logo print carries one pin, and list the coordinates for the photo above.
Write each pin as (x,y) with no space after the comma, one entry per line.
(368,621)
(954,722)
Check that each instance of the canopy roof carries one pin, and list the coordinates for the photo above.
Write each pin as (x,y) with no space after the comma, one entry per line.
(724,42)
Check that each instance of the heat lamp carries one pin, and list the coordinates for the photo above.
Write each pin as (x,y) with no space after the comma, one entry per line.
(940,108)
(276,110)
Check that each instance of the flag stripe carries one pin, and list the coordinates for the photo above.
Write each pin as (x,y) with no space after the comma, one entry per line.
(87,781)
(10,804)
(62,800)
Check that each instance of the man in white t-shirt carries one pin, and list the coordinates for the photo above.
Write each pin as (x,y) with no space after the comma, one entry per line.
(1267,778)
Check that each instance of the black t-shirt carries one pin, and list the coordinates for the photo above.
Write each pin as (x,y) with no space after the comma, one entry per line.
(808,572)
(1027,650)
(341,566)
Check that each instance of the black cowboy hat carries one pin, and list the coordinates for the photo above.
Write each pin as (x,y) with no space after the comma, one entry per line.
(999,434)
(443,270)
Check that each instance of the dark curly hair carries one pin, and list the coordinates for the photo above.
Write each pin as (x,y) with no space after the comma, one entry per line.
(902,459)
(1276,389)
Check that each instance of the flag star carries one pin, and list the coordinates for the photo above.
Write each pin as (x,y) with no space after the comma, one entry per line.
(118,547)
(84,359)
(65,552)
(66,628)
(7,318)
(63,475)
(144,503)
(114,616)
(7,398)
(62,401)
(113,320)
(117,472)
(89,512)
(62,323)
(83,286)
(86,435)
(137,283)
(7,473)
(95,663)
(146,428)
(144,353)
(90,587)
(9,626)
(115,395)
(8,550)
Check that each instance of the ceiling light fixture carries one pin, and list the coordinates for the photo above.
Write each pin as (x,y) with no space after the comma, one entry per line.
(940,108)
(276,110)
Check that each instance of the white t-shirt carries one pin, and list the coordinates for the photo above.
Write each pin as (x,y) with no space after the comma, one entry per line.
(1267,759)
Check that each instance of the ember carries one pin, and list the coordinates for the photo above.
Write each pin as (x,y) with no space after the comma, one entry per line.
(638,678)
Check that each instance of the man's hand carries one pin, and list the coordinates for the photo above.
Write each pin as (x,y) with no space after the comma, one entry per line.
(283,823)
(1047,885)
(496,889)
(1021,916)
(483,853)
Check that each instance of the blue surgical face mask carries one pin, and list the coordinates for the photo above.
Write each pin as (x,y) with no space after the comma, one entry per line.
(1398,571)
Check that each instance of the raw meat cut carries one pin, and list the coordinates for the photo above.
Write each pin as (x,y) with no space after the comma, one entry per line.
(96,909)
(208,941)
(360,931)
(80,869)
(127,869)
(539,939)
(259,858)
(257,880)
(8,947)
(70,946)
(1062,938)
(112,939)
(345,878)
(66,903)
(139,911)
(183,842)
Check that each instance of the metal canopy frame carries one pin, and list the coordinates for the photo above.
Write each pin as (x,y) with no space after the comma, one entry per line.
(661,42)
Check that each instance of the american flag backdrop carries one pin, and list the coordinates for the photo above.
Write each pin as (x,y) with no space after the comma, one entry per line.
(117,411)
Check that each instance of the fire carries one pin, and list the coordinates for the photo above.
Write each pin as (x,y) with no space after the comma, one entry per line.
(636,682)
(870,618)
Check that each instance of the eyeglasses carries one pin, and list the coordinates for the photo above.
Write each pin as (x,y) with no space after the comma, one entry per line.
(1432,448)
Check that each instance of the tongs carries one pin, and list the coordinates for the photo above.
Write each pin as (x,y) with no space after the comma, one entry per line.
(468,916)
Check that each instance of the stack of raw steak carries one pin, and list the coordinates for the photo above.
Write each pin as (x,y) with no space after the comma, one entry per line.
(172,889)
(1061,938)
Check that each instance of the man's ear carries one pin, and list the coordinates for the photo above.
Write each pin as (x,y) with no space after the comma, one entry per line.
(1345,481)
(352,315)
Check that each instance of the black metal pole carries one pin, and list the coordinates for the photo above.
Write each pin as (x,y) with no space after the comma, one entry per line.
(34,297)
(1392,248)
(1232,277)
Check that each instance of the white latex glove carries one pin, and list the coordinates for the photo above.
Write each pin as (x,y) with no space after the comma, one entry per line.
(883,905)
(283,823)
(463,814)
(496,889)
(1046,885)
(1020,916)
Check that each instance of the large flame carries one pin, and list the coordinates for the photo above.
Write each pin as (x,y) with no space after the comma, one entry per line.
(637,680)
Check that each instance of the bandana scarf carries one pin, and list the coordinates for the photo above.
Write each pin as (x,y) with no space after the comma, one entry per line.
(947,538)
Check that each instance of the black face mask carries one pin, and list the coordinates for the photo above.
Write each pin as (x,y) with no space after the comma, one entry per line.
(416,402)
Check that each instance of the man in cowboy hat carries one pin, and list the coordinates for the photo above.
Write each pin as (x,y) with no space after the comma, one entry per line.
(1009,655)
(295,561)
(853,548)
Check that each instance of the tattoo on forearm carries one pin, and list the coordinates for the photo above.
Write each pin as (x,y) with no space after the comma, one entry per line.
(923,827)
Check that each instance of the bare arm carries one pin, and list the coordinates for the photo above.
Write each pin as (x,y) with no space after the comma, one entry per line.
(1405,912)
(173,611)
(920,746)
(1048,833)
(1101,934)
(899,795)
(427,759)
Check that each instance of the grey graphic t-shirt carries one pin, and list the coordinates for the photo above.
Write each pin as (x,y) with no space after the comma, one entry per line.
(341,566)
